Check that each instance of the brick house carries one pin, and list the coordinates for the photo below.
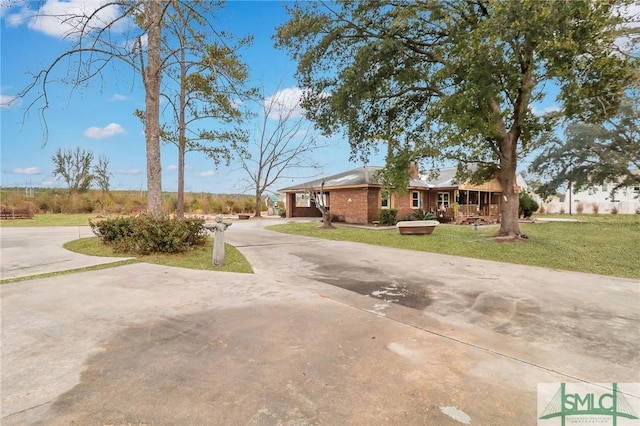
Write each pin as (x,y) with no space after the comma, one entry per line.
(356,196)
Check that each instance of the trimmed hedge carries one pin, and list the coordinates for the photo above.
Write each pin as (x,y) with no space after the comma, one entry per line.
(388,216)
(145,235)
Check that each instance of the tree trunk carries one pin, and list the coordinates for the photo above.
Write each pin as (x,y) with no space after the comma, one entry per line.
(152,104)
(326,218)
(180,200)
(509,225)
(182,128)
(258,206)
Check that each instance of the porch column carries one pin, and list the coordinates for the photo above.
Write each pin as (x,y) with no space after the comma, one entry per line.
(291,203)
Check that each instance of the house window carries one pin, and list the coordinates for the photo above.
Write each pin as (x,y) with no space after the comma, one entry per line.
(302,200)
(605,187)
(320,199)
(386,201)
(443,200)
(415,200)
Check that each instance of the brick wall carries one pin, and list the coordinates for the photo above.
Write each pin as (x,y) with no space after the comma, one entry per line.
(402,203)
(350,205)
(374,204)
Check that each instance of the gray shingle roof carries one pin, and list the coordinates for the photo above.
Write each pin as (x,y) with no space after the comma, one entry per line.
(444,178)
(359,176)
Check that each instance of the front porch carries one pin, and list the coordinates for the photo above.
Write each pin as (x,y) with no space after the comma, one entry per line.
(468,206)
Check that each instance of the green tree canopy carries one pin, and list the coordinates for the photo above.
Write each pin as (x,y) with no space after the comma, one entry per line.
(452,79)
(209,86)
(593,154)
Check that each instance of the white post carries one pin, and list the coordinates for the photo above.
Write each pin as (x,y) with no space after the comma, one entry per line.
(218,229)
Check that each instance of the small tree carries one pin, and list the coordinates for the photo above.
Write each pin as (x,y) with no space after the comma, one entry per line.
(319,199)
(101,173)
(284,143)
(74,167)
(527,205)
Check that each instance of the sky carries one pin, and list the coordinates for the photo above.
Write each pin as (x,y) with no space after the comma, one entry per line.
(99,117)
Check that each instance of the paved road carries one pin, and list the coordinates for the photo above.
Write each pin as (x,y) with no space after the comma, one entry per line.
(323,333)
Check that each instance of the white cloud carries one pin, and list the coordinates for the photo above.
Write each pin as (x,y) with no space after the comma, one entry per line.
(26,171)
(545,110)
(207,173)
(62,18)
(172,167)
(631,13)
(285,103)
(118,97)
(6,101)
(128,171)
(48,183)
(111,129)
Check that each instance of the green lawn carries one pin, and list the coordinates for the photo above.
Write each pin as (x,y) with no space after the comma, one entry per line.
(52,220)
(601,244)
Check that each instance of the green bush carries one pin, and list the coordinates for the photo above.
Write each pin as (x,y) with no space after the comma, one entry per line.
(528,205)
(145,235)
(388,216)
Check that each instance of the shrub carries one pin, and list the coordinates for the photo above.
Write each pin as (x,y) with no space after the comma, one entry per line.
(527,205)
(422,215)
(614,210)
(337,218)
(595,207)
(580,208)
(388,216)
(145,235)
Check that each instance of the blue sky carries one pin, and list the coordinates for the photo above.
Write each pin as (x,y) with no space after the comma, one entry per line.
(99,117)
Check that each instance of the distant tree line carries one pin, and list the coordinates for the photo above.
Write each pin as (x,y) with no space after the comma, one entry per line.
(123,202)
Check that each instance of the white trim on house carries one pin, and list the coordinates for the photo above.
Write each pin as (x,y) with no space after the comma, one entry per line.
(415,200)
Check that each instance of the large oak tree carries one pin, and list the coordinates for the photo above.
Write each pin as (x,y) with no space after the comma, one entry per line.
(593,153)
(455,79)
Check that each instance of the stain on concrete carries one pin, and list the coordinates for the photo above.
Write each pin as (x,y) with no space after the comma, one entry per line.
(411,292)
(266,364)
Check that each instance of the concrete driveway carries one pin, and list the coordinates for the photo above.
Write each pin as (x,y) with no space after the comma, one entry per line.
(323,333)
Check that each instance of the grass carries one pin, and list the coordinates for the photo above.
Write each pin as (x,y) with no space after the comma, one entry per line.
(77,219)
(598,244)
(199,258)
